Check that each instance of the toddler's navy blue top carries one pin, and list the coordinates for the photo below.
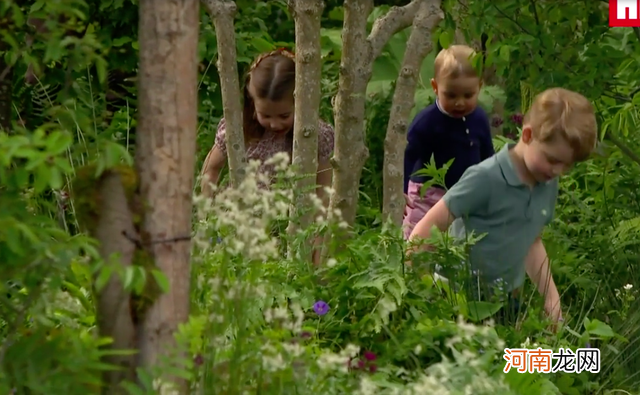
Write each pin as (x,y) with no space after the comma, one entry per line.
(433,132)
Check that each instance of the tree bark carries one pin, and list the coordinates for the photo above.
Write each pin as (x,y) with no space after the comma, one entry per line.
(419,45)
(222,13)
(165,160)
(358,54)
(109,221)
(306,14)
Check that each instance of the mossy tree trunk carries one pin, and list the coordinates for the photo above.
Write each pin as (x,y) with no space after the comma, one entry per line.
(419,45)
(105,209)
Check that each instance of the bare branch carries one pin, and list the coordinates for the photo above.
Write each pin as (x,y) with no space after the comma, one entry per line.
(397,19)
(222,13)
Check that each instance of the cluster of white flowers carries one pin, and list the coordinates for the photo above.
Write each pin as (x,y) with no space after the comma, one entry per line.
(281,316)
(247,210)
(441,380)
(338,362)
(463,375)
(165,387)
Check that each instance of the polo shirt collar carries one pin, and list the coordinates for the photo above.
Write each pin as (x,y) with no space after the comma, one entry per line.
(508,168)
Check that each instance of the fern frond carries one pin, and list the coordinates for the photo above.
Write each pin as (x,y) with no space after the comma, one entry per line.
(626,231)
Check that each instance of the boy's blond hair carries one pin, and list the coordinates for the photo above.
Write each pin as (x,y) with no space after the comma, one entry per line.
(559,112)
(454,62)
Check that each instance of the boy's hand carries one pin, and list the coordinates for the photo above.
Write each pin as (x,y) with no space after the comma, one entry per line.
(554,312)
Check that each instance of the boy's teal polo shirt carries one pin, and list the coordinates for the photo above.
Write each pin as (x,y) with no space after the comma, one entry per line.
(490,198)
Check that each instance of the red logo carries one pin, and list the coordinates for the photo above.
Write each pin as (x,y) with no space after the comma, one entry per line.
(624,13)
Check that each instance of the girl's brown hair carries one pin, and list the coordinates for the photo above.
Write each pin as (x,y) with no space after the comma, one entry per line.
(272,77)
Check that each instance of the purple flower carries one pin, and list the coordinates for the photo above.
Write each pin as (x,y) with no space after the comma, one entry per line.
(198,360)
(517,118)
(369,356)
(496,121)
(321,307)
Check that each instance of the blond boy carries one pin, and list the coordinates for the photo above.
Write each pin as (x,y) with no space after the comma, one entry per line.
(454,127)
(511,196)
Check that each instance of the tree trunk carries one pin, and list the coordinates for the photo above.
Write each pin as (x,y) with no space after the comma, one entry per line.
(222,13)
(165,159)
(113,304)
(105,212)
(358,54)
(418,46)
(306,14)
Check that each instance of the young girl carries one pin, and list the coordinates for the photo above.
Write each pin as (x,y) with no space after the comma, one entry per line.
(268,118)
(454,127)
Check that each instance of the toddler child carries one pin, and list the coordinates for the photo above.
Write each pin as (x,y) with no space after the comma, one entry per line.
(511,197)
(454,127)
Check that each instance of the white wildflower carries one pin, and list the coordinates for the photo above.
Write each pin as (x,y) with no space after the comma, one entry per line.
(330,361)
(273,363)
(295,350)
(367,387)
(165,387)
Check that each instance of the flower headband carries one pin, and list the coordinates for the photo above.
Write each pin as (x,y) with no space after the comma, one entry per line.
(279,51)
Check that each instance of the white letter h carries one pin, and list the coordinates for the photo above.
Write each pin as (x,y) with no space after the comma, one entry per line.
(632,5)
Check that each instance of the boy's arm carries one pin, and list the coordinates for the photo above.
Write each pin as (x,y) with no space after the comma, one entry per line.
(537,267)
(486,149)
(486,145)
(418,146)
(470,195)
(438,216)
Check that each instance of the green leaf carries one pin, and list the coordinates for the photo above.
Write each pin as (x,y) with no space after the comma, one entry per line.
(36,6)
(261,44)
(55,178)
(101,69)
(42,176)
(479,311)
(118,42)
(445,38)
(505,52)
(599,328)
(11,237)
(336,14)
(161,279)
(127,278)
(103,277)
